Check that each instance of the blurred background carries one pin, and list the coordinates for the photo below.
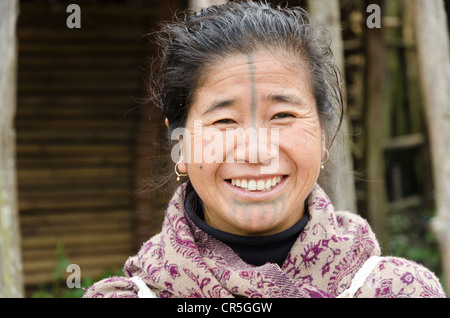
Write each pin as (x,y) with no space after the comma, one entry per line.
(87,141)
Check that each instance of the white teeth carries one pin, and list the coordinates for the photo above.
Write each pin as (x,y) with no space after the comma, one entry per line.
(253,185)
(260,185)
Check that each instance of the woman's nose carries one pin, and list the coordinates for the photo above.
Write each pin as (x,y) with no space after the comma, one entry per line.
(257,146)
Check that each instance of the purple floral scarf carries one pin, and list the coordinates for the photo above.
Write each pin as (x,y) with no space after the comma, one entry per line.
(183,261)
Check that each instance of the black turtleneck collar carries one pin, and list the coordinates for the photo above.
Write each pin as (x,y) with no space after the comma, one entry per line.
(254,250)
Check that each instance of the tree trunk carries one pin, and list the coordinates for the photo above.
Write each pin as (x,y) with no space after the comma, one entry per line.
(434,64)
(337,179)
(376,190)
(10,249)
(198,4)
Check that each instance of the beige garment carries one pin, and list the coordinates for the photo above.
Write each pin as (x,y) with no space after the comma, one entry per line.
(183,261)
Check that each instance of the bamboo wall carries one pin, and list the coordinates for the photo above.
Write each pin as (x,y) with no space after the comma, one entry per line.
(76,136)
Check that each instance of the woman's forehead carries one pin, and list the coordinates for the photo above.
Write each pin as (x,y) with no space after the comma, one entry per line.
(247,68)
(247,71)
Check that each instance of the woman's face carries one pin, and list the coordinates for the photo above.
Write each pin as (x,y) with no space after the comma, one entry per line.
(254,146)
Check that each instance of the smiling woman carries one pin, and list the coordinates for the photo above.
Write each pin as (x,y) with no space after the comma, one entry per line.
(233,229)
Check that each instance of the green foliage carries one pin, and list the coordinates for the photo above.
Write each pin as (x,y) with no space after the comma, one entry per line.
(410,237)
(58,288)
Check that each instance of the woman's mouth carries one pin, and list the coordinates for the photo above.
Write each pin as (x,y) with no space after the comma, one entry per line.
(262,184)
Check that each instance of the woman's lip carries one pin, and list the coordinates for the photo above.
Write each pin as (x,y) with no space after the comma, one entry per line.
(259,177)
(257,195)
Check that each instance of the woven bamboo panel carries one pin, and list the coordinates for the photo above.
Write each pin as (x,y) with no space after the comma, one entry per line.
(76,133)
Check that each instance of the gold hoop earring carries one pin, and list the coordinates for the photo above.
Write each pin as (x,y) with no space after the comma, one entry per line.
(179,174)
(326,159)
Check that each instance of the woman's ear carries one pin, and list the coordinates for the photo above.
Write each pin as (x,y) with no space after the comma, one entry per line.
(166,121)
(181,164)
(324,145)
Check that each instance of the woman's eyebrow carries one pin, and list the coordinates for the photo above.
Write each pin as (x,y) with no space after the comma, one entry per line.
(286,98)
(219,104)
(279,98)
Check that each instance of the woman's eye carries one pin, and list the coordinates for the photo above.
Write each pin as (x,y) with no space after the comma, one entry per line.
(224,121)
(282,115)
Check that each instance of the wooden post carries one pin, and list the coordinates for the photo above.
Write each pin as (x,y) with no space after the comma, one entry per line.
(433,47)
(198,4)
(10,249)
(376,192)
(337,179)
